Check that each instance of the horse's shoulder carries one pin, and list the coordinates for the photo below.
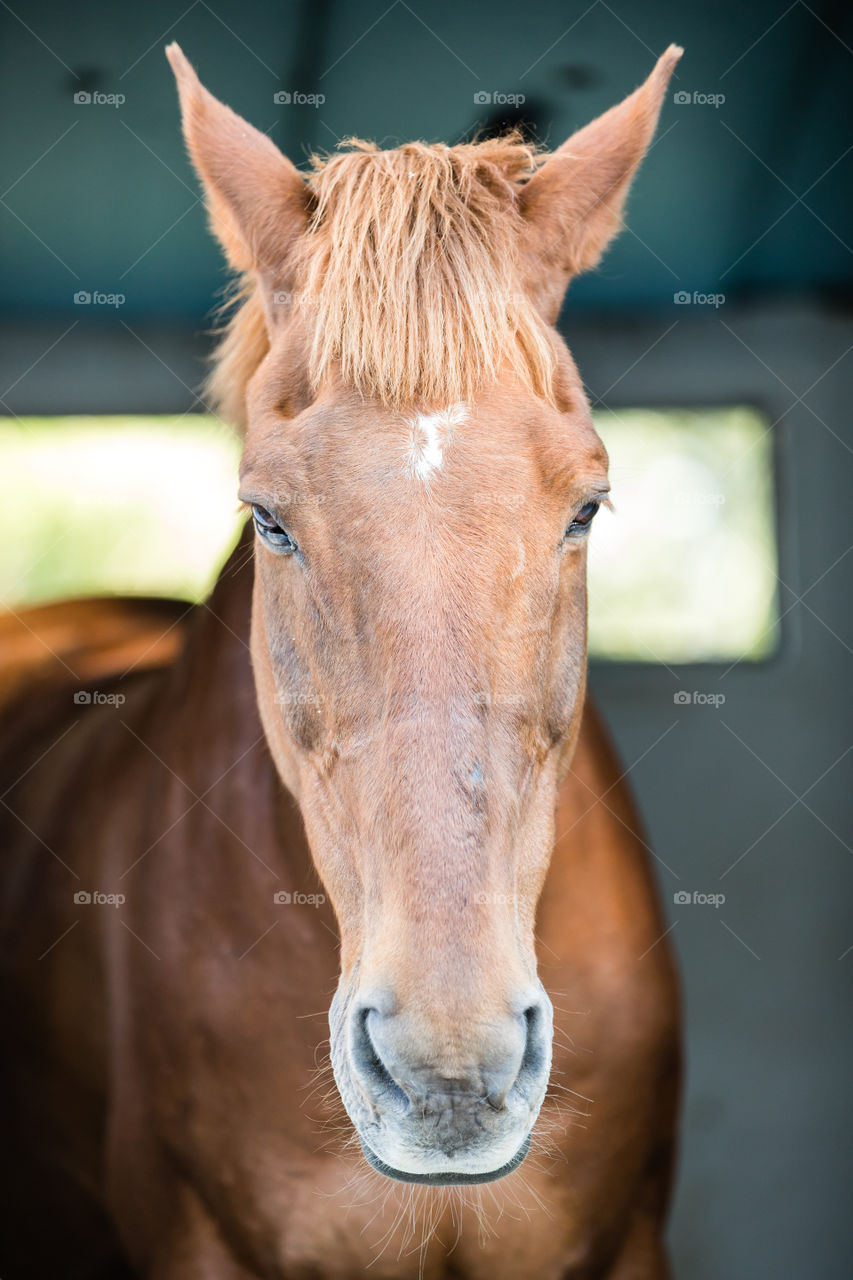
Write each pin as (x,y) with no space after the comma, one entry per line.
(601,899)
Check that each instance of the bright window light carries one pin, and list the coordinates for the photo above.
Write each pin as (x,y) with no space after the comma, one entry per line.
(134,505)
(682,570)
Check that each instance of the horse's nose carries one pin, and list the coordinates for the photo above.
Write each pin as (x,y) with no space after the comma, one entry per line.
(401,1063)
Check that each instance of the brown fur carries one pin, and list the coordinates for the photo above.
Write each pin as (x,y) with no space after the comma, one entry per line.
(417,684)
(167,1102)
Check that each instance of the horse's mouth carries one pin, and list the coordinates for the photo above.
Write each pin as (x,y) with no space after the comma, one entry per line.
(451,1178)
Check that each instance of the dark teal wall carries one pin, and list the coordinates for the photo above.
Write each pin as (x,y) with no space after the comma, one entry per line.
(111,204)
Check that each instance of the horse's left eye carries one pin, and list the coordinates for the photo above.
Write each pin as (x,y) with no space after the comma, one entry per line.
(271,532)
(582,520)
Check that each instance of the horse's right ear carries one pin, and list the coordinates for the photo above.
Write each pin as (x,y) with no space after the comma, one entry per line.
(573,205)
(258,203)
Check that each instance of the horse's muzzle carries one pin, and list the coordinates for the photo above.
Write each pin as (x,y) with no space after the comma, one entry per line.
(439,1116)
(448,1178)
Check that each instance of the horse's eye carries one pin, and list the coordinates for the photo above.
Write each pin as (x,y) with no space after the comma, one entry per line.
(582,520)
(271,532)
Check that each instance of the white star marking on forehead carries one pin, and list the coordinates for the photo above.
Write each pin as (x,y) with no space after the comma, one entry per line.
(431,433)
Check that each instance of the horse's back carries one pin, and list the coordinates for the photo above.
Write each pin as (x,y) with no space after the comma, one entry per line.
(86,639)
(52,782)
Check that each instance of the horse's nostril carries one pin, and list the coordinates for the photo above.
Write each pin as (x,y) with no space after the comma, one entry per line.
(522,1069)
(368,1061)
(535,1055)
(398,1067)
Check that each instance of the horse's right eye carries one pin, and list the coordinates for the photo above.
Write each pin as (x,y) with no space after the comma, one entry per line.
(582,520)
(270,531)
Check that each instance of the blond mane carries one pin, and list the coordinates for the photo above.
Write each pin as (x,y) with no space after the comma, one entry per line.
(407,278)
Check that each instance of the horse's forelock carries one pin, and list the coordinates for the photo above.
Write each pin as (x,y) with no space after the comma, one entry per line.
(407,277)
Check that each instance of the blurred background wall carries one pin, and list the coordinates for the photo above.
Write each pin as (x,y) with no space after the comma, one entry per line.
(730,287)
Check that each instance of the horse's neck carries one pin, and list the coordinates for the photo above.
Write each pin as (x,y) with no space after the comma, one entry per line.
(209,707)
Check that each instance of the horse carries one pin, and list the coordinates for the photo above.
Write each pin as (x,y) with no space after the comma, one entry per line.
(362,782)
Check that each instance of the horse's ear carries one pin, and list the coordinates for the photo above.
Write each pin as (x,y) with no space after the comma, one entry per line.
(573,204)
(258,202)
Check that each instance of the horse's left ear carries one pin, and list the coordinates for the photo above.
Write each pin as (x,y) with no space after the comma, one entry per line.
(573,204)
(258,202)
